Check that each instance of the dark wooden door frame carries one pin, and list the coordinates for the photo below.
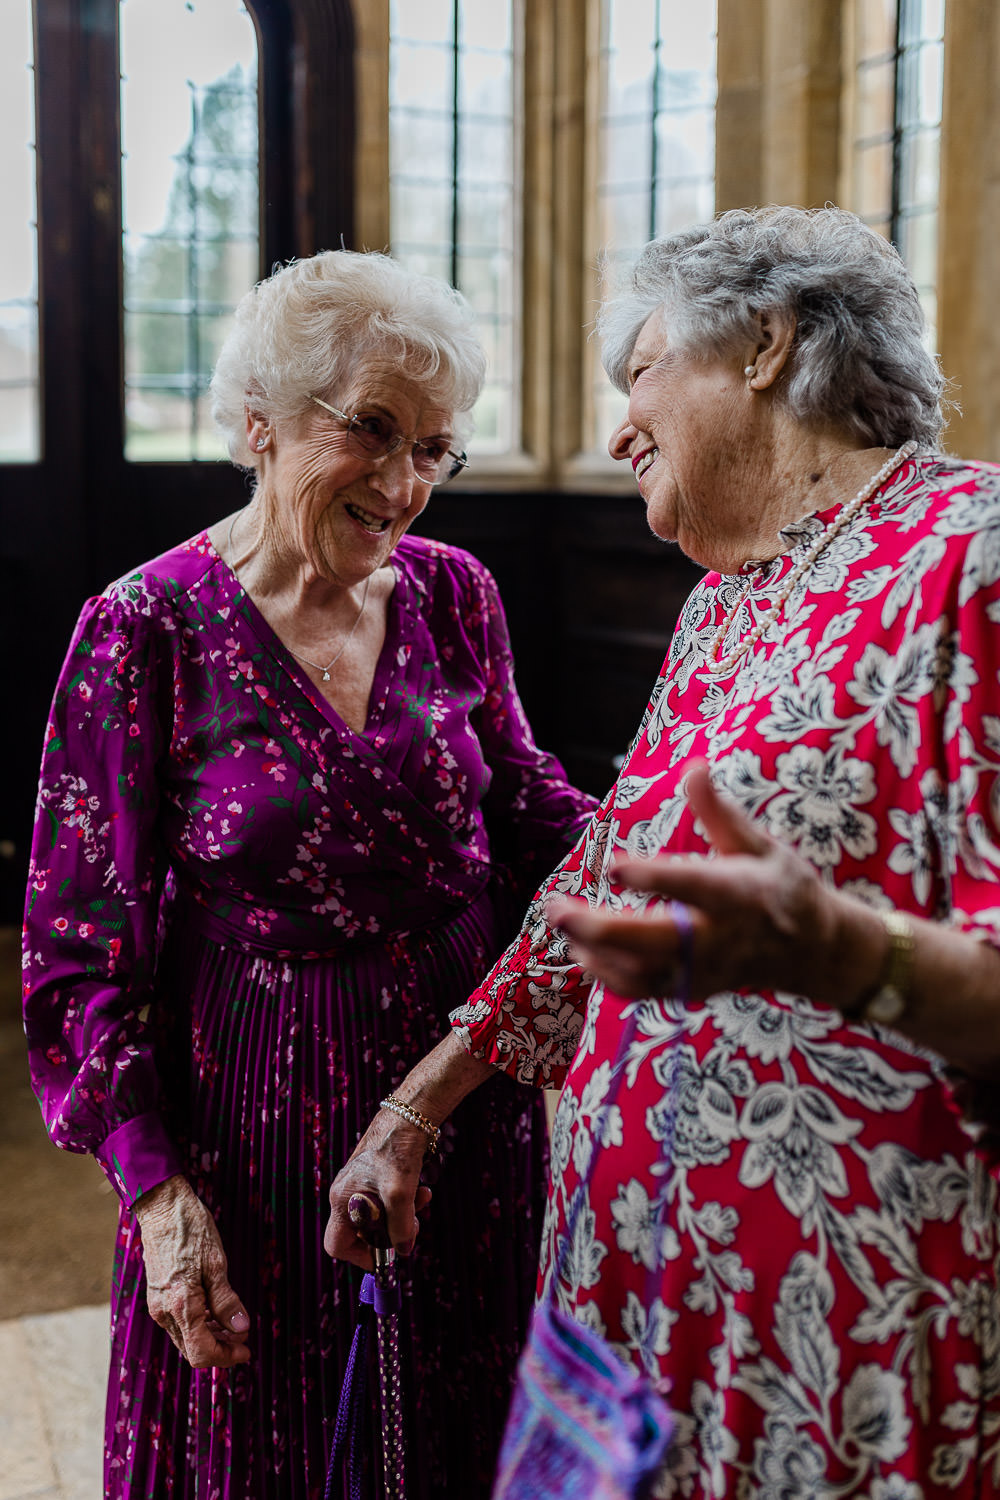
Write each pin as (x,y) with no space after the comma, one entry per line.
(82,515)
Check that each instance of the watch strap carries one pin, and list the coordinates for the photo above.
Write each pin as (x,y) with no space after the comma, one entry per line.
(886,1004)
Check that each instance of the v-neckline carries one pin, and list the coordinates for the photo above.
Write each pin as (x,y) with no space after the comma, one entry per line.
(397,604)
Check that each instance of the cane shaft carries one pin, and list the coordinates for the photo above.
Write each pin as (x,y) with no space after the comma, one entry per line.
(389,1382)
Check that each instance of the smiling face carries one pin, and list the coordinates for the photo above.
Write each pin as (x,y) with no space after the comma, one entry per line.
(341,514)
(689,435)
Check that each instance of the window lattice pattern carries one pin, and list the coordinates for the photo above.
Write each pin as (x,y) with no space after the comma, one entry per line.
(874,112)
(19,374)
(190,211)
(453,206)
(656,138)
(897,130)
(916,179)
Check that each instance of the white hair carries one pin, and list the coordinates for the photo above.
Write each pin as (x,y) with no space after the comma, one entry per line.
(306,328)
(858,359)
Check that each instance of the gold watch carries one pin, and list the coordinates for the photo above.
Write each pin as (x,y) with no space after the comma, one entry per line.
(886,1004)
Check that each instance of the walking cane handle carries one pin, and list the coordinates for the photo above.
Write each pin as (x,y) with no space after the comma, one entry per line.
(366,1214)
(368,1217)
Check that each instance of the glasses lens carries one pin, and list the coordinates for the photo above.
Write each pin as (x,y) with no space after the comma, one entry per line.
(370,435)
(452,466)
(373,436)
(432,461)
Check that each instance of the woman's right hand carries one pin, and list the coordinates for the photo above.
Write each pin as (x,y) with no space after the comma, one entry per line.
(187,1285)
(385,1164)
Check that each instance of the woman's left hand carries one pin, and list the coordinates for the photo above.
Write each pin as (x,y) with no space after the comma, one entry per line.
(761,917)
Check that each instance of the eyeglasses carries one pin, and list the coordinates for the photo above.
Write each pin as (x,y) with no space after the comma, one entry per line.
(370,435)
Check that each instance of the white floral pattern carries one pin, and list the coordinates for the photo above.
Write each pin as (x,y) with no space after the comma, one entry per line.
(814,1271)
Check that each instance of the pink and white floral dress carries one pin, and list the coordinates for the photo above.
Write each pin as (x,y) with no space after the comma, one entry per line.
(826,1318)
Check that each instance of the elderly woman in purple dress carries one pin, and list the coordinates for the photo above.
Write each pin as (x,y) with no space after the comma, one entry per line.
(262,876)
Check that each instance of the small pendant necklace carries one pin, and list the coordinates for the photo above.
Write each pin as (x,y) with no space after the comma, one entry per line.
(823,541)
(325,671)
(346,642)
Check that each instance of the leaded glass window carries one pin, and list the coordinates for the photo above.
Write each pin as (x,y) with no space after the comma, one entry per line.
(190,211)
(19,383)
(895,168)
(656,143)
(916,179)
(453,194)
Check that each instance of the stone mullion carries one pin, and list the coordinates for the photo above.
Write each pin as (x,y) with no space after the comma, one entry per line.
(371,156)
(969,248)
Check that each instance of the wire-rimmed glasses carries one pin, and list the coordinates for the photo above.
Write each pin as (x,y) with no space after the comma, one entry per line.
(371,435)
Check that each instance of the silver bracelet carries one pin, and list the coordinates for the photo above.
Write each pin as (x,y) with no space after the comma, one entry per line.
(413,1117)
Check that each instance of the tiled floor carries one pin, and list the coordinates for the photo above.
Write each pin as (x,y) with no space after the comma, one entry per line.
(53,1368)
(57,1224)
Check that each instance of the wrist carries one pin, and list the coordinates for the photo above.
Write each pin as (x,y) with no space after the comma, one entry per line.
(161,1199)
(884,995)
(415,1117)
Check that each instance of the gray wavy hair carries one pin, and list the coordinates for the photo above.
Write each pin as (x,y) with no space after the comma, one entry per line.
(857,360)
(306,328)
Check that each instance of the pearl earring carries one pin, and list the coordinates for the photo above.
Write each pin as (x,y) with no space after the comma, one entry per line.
(750,371)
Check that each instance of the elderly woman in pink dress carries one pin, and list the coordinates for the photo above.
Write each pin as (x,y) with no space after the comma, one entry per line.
(280,759)
(792,1222)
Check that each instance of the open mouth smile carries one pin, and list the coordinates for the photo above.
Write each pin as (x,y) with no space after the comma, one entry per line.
(367,519)
(642,463)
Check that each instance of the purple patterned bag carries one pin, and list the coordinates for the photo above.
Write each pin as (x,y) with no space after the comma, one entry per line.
(583,1425)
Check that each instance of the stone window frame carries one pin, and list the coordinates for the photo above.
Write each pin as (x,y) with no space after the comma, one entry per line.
(784,90)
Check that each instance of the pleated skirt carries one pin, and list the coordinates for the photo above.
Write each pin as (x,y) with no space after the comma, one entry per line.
(272,1069)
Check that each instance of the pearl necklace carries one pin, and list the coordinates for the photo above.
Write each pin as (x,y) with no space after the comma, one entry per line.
(823,541)
(304,659)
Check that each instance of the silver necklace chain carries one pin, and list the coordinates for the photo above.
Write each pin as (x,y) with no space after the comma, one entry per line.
(346,641)
(298,656)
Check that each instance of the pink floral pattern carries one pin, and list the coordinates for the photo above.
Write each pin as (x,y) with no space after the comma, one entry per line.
(813,1272)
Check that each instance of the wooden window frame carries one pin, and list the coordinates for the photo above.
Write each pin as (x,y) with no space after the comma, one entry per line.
(782,136)
(558,58)
(969,237)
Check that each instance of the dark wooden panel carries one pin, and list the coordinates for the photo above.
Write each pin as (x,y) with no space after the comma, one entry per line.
(591,598)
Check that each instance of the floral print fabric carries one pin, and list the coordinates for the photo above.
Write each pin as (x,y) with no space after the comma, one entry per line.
(823,1240)
(245,923)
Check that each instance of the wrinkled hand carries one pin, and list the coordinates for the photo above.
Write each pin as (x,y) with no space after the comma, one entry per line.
(761,916)
(187,1286)
(386,1163)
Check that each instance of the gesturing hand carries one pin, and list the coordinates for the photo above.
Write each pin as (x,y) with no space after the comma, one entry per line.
(187,1286)
(761,916)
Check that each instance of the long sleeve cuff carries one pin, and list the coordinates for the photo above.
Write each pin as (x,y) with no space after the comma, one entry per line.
(518,1053)
(138,1156)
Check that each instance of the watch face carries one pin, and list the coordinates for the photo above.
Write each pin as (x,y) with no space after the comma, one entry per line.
(886,1006)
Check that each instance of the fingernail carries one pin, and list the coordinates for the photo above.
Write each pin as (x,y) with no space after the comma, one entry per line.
(407,1248)
(239,1322)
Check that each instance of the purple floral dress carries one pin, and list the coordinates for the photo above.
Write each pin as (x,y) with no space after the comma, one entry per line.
(245,922)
